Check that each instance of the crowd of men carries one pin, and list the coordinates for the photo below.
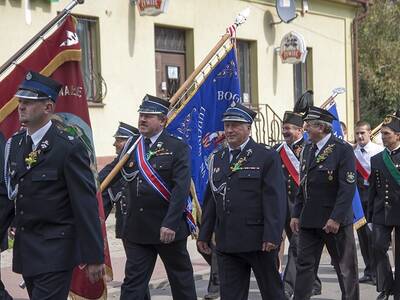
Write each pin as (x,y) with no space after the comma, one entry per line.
(303,186)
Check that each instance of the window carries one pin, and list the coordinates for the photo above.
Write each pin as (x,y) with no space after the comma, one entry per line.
(243,58)
(89,38)
(303,76)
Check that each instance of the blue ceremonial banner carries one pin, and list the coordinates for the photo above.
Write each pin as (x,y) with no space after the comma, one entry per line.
(359,217)
(199,120)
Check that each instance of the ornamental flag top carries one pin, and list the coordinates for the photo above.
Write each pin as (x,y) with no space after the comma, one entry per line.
(293,48)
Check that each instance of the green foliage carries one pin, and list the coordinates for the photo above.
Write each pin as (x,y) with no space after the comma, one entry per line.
(379,55)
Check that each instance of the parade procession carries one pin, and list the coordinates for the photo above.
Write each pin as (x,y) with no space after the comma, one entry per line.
(230,149)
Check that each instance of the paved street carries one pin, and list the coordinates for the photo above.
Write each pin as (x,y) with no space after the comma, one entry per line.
(160,289)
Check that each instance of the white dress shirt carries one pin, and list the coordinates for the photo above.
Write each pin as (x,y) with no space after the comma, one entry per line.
(39,134)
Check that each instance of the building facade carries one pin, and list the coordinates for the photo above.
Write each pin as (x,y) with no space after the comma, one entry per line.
(126,55)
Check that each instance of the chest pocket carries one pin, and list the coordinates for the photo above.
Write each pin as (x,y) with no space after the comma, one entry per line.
(326,173)
(45,175)
(161,164)
(249,179)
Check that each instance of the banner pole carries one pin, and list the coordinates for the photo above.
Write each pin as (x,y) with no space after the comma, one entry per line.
(64,13)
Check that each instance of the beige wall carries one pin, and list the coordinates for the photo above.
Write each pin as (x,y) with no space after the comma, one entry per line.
(127,49)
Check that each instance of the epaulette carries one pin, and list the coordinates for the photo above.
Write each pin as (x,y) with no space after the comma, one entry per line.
(176,137)
(341,141)
(65,134)
(268,147)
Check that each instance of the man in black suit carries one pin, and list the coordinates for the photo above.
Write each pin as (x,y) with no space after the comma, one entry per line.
(289,152)
(156,222)
(363,151)
(4,202)
(323,213)
(245,205)
(53,188)
(384,207)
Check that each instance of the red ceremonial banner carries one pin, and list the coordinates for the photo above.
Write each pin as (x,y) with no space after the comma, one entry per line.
(59,56)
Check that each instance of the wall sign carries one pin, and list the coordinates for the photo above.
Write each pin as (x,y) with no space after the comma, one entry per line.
(293,49)
(152,7)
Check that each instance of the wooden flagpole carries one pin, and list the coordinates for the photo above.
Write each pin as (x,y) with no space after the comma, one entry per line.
(240,19)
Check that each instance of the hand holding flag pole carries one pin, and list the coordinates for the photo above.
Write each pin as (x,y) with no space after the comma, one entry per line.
(231,30)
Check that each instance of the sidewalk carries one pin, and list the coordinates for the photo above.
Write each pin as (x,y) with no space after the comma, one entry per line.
(158,279)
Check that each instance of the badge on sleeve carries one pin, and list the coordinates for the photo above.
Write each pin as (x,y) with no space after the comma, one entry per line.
(350,177)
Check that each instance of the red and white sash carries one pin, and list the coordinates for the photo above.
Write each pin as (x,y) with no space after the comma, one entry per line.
(290,161)
(363,165)
(156,182)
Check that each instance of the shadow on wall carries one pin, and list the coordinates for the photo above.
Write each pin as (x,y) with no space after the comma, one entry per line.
(132,27)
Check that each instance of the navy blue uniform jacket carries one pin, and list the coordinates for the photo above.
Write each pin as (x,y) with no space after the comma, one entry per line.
(254,208)
(56,212)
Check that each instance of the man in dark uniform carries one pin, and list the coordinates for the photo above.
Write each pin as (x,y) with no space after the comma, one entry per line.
(363,151)
(384,207)
(156,219)
(246,206)
(4,202)
(289,152)
(56,213)
(117,194)
(323,213)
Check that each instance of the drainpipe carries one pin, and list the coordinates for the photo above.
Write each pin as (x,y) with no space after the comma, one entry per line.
(356,67)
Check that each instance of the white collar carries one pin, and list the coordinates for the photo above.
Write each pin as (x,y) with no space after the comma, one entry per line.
(39,134)
(241,146)
(390,151)
(370,147)
(296,141)
(154,138)
(322,142)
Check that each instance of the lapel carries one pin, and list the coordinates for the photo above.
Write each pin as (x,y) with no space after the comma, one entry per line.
(43,147)
(386,172)
(225,161)
(314,160)
(245,154)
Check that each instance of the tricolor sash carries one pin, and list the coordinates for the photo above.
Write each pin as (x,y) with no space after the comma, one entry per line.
(290,161)
(390,166)
(156,182)
(363,166)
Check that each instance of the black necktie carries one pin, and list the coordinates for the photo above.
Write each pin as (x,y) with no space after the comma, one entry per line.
(235,153)
(28,146)
(147,143)
(313,150)
(363,150)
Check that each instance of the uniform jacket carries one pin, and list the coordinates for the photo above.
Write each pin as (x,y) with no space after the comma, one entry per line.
(327,185)
(254,208)
(147,210)
(384,193)
(56,212)
(291,187)
(116,195)
(5,204)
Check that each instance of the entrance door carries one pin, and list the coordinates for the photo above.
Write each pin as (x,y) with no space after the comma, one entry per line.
(170,61)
